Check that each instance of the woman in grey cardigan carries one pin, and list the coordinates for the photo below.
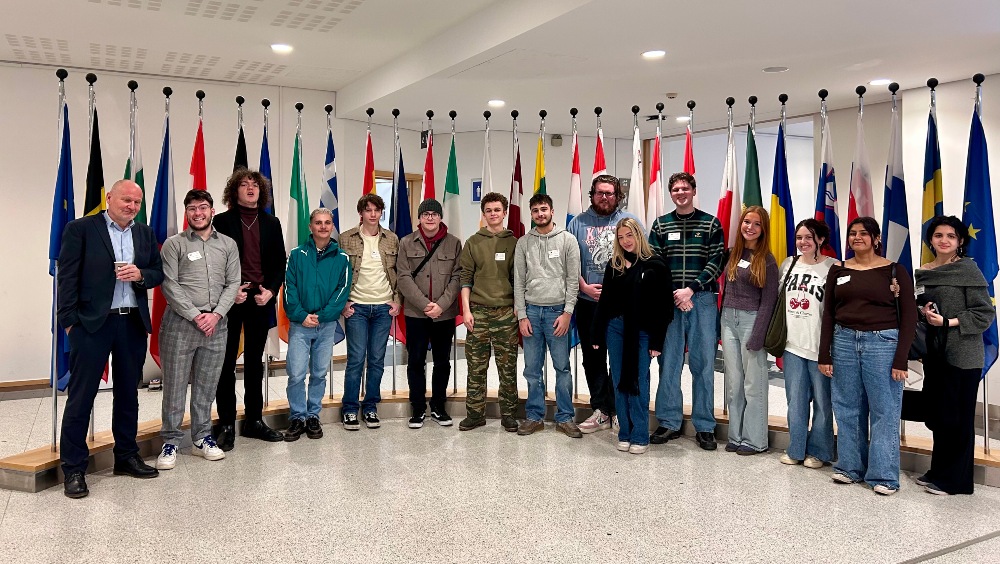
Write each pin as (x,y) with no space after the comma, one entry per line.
(956,303)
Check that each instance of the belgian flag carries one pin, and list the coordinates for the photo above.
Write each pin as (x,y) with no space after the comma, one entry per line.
(95,202)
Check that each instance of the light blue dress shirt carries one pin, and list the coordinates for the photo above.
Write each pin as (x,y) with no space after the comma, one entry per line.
(121,242)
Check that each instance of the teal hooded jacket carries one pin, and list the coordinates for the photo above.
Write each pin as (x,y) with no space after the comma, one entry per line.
(316,283)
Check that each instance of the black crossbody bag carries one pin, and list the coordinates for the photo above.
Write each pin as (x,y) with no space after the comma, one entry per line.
(427,257)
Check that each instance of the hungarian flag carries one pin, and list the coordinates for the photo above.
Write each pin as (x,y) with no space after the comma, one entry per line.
(298,223)
(729,209)
(751,178)
(932,200)
(94,201)
(514,222)
(575,205)
(163,221)
(859,203)
(636,194)
(133,168)
(63,212)
(428,181)
(826,194)
(781,233)
(655,204)
(368,186)
(895,221)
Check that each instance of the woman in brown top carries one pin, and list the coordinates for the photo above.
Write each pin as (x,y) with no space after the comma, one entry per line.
(869,320)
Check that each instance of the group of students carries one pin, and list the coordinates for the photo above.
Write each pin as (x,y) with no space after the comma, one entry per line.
(849,325)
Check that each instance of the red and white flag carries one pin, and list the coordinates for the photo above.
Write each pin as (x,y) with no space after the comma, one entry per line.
(655,204)
(428,182)
(729,199)
(636,191)
(860,203)
(575,205)
(600,166)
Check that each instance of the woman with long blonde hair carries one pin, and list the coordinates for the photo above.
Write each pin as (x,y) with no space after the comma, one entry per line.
(750,292)
(631,321)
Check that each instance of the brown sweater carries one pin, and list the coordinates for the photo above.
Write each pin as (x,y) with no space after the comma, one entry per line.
(863,300)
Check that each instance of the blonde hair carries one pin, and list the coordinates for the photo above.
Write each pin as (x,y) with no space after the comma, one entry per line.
(645,252)
(758,258)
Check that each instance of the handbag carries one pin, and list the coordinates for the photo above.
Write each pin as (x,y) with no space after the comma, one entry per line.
(777,330)
(919,346)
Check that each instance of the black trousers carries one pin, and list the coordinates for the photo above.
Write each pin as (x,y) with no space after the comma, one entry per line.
(420,332)
(595,361)
(951,395)
(253,321)
(123,337)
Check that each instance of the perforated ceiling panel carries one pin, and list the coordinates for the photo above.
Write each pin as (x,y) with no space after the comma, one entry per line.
(216,9)
(188,64)
(151,5)
(117,57)
(319,15)
(39,49)
(254,72)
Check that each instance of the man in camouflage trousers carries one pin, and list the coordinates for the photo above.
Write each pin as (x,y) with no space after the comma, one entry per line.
(488,301)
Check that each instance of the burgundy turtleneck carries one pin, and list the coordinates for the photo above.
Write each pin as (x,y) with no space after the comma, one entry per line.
(250,262)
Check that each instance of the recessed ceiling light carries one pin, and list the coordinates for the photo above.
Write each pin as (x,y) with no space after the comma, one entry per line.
(496,103)
(774,69)
(654,54)
(281,48)
(683,119)
(880,82)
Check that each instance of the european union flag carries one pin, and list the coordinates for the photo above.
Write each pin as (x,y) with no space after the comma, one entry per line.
(63,212)
(265,169)
(978,217)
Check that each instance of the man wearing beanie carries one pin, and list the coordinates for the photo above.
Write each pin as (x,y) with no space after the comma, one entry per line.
(429,280)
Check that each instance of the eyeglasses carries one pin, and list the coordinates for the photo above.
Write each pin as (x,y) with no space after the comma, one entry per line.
(605,195)
(430,214)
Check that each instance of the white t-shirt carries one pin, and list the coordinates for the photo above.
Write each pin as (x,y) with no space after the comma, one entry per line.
(372,287)
(804,295)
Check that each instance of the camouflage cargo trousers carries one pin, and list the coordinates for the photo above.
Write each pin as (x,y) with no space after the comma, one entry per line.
(495,329)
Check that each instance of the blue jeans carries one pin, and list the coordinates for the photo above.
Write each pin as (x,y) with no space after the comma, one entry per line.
(633,411)
(863,388)
(367,332)
(696,328)
(804,385)
(746,380)
(309,348)
(542,335)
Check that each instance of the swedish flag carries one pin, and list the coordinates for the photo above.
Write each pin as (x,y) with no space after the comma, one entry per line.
(932,197)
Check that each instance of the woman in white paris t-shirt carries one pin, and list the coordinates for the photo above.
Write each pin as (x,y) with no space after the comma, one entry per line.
(804,384)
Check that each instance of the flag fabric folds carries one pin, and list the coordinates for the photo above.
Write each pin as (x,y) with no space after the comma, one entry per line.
(729,198)
(540,167)
(575,205)
(933,195)
(452,203)
(781,234)
(751,177)
(400,224)
(241,160)
(328,191)
(636,193)
(63,212)
(133,168)
(427,183)
(895,223)
(826,195)
(655,206)
(298,222)
(368,186)
(600,165)
(978,217)
(199,174)
(163,221)
(689,151)
(859,202)
(94,201)
(514,221)
(265,170)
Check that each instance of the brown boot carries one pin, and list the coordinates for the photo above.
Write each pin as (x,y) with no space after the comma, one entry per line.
(569,429)
(529,426)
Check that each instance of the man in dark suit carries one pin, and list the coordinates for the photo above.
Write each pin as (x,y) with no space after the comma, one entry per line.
(262,262)
(106,264)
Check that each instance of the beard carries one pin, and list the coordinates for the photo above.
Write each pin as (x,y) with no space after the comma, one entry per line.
(604,206)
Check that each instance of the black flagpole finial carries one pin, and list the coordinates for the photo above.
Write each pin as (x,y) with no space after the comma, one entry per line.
(823,94)
(729,102)
(979,79)
(782,98)
(752,100)
(328,108)
(860,90)
(542,114)
(691,104)
(932,83)
(299,106)
(573,112)
(453,114)
(133,85)
(200,94)
(635,110)
(240,100)
(514,114)
(598,111)
(894,87)
(487,114)
(660,106)
(91,78)
(370,112)
(430,114)
(62,74)
(167,91)
(395,112)
(265,102)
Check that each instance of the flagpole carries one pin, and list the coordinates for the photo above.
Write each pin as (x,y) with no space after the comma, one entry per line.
(860,90)
(576,349)
(979,79)
(690,124)
(91,79)
(730,133)
(132,108)
(54,369)
(392,219)
(239,111)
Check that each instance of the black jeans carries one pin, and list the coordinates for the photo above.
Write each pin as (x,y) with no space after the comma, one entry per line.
(951,394)
(420,332)
(124,337)
(595,361)
(253,321)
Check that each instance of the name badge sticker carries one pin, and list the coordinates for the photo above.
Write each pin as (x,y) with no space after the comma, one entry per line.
(500,256)
(743,264)
(375,255)
(554,253)
(843,279)
(919,290)
(675,236)
(194,256)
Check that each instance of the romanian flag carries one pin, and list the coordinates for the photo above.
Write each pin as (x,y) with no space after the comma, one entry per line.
(895,222)
(978,217)
(826,195)
(63,212)
(368,186)
(782,232)
(933,194)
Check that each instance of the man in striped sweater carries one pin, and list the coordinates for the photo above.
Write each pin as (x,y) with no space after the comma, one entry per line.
(691,242)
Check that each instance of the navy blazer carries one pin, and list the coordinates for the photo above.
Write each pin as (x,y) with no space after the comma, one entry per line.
(272,246)
(87,272)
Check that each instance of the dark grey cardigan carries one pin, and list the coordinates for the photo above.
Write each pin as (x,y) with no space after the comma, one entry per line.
(960,291)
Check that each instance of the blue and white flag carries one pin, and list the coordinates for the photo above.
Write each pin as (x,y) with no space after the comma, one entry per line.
(328,191)
(895,223)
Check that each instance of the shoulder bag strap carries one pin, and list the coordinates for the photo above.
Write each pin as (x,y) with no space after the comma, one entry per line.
(427,257)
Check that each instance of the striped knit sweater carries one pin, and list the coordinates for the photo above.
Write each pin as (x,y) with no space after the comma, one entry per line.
(692,247)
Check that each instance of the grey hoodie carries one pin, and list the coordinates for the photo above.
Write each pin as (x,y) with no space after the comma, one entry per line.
(546,270)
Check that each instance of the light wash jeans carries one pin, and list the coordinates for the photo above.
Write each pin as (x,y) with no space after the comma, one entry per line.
(746,380)
(633,411)
(864,394)
(805,385)
(367,333)
(542,336)
(697,329)
(309,349)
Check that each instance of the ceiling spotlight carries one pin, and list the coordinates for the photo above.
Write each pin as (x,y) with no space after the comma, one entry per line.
(281,48)
(496,103)
(774,69)
(654,54)
(683,119)
(880,82)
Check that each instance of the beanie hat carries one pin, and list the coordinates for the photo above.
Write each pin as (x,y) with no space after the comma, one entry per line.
(430,205)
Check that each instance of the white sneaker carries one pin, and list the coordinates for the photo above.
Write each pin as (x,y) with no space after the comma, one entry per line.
(596,422)
(168,457)
(884,490)
(623,446)
(638,449)
(785,459)
(842,478)
(208,449)
(812,462)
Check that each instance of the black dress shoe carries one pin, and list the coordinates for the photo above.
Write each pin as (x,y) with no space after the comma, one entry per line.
(259,430)
(135,467)
(663,435)
(75,486)
(225,436)
(706,440)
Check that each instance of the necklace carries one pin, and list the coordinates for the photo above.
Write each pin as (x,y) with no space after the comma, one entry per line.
(685,216)
(251,223)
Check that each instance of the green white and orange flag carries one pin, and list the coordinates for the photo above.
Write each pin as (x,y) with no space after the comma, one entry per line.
(452,208)
(298,220)
(133,166)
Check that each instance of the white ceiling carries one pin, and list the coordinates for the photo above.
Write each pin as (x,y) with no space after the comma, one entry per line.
(556,54)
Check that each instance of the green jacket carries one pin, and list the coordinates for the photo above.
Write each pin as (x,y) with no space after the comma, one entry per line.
(488,267)
(316,284)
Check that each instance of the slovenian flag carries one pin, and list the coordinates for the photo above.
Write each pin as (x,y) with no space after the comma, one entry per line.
(826,195)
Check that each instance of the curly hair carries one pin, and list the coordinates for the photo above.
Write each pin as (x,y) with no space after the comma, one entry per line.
(230,196)
(615,183)
(491,197)
(949,221)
